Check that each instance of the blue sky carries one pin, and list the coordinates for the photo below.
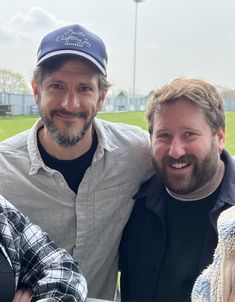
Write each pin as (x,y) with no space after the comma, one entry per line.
(193,38)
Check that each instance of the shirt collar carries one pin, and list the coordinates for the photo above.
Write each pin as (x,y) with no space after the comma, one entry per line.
(34,154)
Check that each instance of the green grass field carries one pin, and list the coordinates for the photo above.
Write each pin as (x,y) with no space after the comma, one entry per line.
(12,125)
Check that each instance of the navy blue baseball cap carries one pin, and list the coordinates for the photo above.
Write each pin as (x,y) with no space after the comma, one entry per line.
(73,40)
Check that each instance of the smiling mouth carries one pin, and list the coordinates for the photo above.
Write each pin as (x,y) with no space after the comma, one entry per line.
(66,115)
(179,165)
(70,115)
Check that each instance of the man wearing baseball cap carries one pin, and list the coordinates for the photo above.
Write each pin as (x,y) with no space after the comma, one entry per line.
(72,173)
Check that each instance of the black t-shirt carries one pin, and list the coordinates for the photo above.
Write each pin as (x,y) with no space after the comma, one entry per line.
(7,280)
(187,225)
(72,170)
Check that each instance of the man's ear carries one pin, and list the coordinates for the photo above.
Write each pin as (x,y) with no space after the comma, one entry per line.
(221,139)
(101,100)
(36,92)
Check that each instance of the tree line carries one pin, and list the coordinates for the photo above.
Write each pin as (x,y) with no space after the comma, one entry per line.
(13,82)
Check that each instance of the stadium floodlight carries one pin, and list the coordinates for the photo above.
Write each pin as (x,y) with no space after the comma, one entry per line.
(135,41)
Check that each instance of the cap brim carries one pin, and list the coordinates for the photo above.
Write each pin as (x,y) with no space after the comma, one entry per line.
(72,52)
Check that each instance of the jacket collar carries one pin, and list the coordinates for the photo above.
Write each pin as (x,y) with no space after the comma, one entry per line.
(227,192)
(152,192)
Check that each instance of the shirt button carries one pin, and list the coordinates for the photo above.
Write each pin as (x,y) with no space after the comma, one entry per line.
(61,184)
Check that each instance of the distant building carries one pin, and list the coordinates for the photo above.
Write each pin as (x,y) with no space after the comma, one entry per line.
(116,101)
(21,104)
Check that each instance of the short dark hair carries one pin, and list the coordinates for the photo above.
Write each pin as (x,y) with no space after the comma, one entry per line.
(50,66)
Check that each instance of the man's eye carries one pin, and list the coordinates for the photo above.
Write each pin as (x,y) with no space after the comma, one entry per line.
(189,134)
(56,86)
(85,89)
(163,136)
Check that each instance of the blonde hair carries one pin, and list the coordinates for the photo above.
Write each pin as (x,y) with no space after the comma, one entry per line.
(196,91)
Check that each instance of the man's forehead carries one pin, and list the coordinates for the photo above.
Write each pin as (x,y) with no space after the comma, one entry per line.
(74,70)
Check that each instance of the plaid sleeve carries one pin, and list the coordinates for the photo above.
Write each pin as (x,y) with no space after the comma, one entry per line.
(47,269)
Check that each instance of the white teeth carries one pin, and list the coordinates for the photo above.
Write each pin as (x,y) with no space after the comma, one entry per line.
(179,165)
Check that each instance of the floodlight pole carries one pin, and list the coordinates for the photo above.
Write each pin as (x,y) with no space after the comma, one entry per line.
(135,43)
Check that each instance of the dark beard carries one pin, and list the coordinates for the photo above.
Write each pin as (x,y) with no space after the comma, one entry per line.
(201,174)
(67,139)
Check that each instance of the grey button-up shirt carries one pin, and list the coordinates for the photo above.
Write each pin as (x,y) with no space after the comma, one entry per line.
(88,224)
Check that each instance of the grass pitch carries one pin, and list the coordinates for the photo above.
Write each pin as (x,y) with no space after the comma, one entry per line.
(15,124)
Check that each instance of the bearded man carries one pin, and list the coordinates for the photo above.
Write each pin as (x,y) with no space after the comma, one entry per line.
(72,173)
(171,235)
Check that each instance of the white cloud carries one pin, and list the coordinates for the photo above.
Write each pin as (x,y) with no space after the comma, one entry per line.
(174,38)
(20,36)
(36,18)
(28,27)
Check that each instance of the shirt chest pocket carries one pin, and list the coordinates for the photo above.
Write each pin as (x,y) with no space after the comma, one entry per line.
(114,204)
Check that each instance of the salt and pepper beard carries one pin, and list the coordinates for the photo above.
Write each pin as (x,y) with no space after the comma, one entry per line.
(67,139)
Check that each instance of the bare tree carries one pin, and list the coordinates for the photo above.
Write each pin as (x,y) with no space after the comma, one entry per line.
(12,82)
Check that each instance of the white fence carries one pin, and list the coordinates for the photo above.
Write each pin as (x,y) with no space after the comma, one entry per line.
(17,104)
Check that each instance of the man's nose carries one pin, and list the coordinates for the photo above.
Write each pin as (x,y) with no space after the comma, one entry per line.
(71,101)
(177,148)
